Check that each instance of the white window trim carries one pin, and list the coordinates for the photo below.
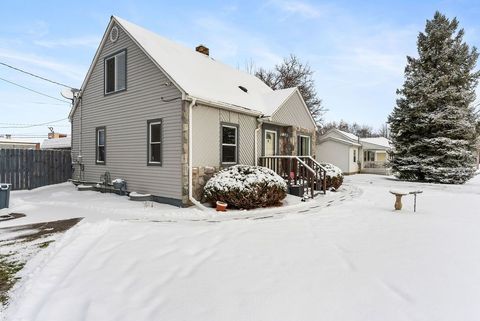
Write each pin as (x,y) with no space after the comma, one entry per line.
(275,151)
(309,144)
(235,145)
(150,141)
(100,145)
(114,57)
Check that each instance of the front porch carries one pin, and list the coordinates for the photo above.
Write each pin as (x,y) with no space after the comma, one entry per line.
(375,162)
(304,176)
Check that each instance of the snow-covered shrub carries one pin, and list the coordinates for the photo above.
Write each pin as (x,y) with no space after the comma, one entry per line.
(334,176)
(243,186)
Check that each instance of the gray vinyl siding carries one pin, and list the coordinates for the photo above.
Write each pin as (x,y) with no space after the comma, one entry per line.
(293,113)
(206,135)
(125,115)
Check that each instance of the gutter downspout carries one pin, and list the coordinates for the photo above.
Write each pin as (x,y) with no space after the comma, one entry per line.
(190,154)
(260,120)
(259,126)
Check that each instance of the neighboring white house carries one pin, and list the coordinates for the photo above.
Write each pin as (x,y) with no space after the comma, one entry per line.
(9,142)
(375,155)
(339,148)
(353,154)
(61,143)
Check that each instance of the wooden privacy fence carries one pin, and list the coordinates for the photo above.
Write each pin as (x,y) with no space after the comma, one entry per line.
(27,169)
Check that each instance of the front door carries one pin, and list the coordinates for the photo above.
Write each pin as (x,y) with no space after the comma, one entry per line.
(270,143)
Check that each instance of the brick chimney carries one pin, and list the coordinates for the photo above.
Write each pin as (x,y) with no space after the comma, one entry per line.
(202,49)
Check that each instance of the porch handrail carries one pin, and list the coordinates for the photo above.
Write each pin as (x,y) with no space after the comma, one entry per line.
(293,157)
(316,170)
(315,162)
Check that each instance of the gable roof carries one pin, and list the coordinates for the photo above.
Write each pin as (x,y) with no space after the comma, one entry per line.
(200,76)
(349,135)
(381,142)
(340,136)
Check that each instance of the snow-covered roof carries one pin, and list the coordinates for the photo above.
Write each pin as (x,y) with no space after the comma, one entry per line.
(54,143)
(379,141)
(275,99)
(349,135)
(203,77)
(17,140)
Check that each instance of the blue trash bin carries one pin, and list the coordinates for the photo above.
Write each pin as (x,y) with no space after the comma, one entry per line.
(4,195)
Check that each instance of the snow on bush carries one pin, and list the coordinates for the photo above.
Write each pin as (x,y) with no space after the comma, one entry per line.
(247,187)
(334,176)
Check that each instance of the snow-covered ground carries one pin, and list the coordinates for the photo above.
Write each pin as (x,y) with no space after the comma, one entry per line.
(347,256)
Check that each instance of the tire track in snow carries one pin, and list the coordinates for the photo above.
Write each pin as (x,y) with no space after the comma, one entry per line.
(53,266)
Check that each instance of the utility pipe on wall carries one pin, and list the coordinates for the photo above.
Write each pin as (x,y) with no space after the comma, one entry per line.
(190,157)
(259,126)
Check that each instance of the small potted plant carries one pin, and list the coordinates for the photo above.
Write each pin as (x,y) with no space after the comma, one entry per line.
(221,206)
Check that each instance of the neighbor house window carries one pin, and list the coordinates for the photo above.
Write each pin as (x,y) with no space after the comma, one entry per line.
(303,145)
(229,144)
(100,148)
(116,72)
(354,155)
(368,156)
(155,142)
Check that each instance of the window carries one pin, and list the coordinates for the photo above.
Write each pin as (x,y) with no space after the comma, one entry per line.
(303,145)
(115,72)
(354,155)
(368,156)
(100,148)
(229,144)
(155,142)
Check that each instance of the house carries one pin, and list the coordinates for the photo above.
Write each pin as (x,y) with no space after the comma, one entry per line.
(9,142)
(59,143)
(375,155)
(339,148)
(353,154)
(165,117)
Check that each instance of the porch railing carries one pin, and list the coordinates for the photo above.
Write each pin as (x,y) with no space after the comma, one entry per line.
(375,164)
(304,171)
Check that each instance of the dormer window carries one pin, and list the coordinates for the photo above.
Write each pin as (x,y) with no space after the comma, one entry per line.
(116,72)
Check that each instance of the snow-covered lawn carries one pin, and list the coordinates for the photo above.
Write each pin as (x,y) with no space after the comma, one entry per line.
(356,259)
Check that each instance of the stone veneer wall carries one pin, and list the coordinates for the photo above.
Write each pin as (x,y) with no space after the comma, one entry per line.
(200,177)
(299,131)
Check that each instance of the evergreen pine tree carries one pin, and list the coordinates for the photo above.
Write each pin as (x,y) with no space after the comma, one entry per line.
(433,125)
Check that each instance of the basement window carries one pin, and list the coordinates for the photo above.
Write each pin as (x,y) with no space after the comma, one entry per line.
(116,72)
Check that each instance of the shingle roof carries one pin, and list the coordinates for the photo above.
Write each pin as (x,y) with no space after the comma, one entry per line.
(380,141)
(203,77)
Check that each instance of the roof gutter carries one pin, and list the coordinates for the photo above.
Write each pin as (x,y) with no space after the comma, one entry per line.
(229,107)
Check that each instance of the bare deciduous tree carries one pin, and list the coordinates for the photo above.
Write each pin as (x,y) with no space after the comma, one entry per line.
(354,128)
(294,73)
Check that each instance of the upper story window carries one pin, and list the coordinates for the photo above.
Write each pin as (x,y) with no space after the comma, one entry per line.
(116,72)
(229,144)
